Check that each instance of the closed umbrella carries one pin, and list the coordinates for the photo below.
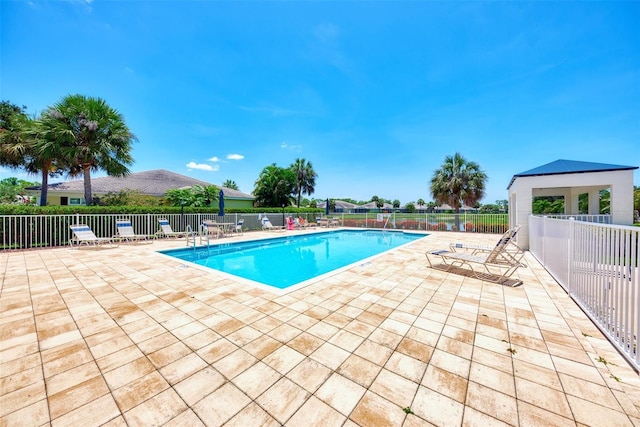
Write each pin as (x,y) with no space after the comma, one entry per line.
(326,208)
(221,203)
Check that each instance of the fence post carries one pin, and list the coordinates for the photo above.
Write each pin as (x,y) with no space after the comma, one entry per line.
(570,250)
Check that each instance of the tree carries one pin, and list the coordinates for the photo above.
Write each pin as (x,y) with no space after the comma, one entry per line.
(179,196)
(458,182)
(14,144)
(420,203)
(274,186)
(396,204)
(12,190)
(21,146)
(305,178)
(636,201)
(410,207)
(204,195)
(92,136)
(230,184)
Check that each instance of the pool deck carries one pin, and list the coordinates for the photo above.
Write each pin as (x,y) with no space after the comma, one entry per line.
(126,336)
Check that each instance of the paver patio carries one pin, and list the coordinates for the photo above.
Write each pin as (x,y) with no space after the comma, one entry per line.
(126,336)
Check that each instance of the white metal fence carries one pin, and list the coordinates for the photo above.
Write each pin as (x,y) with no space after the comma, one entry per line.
(598,266)
(38,231)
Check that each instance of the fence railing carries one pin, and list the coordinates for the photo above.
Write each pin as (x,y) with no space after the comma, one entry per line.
(598,266)
(40,231)
(600,218)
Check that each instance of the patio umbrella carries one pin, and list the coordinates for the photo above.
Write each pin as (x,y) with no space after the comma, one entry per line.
(326,208)
(221,204)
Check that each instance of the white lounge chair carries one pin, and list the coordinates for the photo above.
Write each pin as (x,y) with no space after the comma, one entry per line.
(126,233)
(167,231)
(238,228)
(511,251)
(498,263)
(83,235)
(266,225)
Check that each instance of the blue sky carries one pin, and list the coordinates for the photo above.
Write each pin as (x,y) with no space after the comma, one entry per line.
(373,94)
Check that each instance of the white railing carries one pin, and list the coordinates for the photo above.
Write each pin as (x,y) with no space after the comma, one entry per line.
(33,231)
(600,218)
(598,266)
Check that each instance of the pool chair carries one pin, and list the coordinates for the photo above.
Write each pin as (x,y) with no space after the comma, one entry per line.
(511,252)
(300,223)
(167,231)
(266,225)
(83,235)
(238,228)
(495,264)
(126,233)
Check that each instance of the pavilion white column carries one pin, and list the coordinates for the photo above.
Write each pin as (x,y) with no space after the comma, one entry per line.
(571,205)
(622,203)
(594,202)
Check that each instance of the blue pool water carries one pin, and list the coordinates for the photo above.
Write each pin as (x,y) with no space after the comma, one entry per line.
(288,260)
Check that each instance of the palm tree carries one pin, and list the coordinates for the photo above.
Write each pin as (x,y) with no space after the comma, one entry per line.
(420,203)
(204,195)
(458,182)
(92,136)
(22,147)
(305,178)
(230,184)
(274,186)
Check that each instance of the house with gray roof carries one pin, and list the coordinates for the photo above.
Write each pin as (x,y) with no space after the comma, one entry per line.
(153,183)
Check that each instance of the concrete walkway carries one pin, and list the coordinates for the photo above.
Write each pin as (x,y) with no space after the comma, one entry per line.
(126,336)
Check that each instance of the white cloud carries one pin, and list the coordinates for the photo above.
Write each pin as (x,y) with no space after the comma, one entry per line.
(272,110)
(292,147)
(235,156)
(326,32)
(203,167)
(214,159)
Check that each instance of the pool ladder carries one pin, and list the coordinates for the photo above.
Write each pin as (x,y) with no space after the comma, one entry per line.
(191,235)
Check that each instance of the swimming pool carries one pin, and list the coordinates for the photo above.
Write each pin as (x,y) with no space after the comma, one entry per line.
(288,260)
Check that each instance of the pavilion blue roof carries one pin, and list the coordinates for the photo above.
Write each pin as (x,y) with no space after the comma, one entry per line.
(560,167)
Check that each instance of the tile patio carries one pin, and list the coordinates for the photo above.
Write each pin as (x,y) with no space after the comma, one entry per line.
(126,336)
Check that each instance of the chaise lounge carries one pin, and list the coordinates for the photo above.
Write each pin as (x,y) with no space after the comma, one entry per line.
(501,258)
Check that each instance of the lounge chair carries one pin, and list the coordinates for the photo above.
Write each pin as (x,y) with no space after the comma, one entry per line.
(323,222)
(300,223)
(83,235)
(334,222)
(238,228)
(167,231)
(126,233)
(266,225)
(498,259)
(511,252)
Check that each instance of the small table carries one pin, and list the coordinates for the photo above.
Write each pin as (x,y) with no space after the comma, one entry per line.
(224,227)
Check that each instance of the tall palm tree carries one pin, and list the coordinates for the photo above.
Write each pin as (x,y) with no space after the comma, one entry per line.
(22,147)
(458,182)
(92,136)
(305,178)
(230,184)
(274,186)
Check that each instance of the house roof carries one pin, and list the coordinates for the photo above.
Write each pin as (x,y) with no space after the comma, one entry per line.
(561,167)
(154,183)
(372,205)
(338,204)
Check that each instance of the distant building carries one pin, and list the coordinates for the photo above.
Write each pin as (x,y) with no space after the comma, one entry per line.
(153,183)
